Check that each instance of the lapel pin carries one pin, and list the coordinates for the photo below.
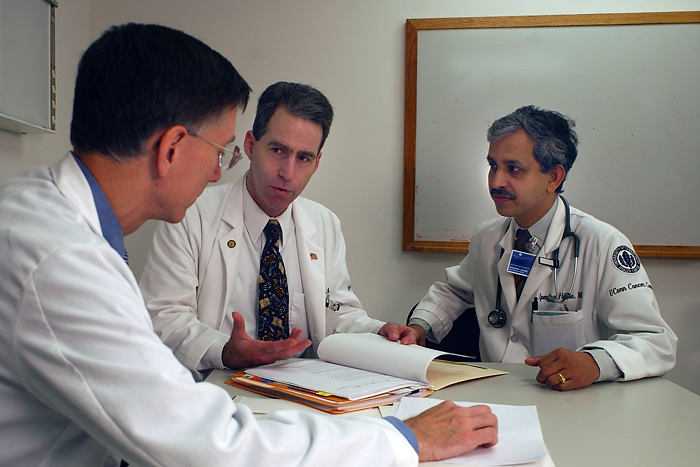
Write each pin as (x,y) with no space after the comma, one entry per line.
(231,244)
(313,256)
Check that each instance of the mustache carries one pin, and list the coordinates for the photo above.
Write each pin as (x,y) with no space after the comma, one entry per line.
(502,192)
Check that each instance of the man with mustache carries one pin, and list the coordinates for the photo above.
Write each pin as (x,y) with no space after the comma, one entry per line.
(552,286)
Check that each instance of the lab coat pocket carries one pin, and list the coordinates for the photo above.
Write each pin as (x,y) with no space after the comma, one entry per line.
(297,311)
(331,320)
(550,332)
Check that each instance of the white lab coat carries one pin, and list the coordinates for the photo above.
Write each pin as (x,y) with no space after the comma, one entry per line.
(617,310)
(82,372)
(189,276)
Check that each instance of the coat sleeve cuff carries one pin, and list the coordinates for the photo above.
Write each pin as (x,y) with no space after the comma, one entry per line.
(405,431)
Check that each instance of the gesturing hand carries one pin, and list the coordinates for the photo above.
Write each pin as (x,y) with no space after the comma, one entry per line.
(243,351)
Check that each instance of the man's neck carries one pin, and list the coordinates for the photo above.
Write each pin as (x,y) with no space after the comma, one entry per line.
(529,219)
(121,182)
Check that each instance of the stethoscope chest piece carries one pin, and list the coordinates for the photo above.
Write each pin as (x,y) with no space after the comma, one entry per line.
(497,318)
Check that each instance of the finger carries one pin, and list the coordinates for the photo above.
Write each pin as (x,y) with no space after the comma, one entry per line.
(556,380)
(407,335)
(238,330)
(485,426)
(409,338)
(296,334)
(551,364)
(482,416)
(479,409)
(540,378)
(489,437)
(534,361)
(548,375)
(391,331)
(547,359)
(283,348)
(562,379)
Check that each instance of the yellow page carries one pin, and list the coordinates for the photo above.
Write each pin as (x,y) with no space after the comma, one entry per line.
(441,373)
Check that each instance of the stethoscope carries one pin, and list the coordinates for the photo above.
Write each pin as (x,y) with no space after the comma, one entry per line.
(497,317)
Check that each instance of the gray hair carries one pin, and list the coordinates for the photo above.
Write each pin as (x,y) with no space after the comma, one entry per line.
(553,134)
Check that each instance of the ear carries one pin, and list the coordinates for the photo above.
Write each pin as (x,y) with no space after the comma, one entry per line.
(248,143)
(556,177)
(318,159)
(170,148)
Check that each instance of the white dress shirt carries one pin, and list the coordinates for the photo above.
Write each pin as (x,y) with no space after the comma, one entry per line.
(245,299)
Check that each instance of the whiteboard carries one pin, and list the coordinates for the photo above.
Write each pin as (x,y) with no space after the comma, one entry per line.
(632,89)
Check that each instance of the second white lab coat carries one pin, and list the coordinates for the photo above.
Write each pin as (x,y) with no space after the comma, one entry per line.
(615,307)
(189,276)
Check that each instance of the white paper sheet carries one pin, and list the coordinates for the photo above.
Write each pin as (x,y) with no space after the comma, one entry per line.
(340,380)
(519,433)
(361,351)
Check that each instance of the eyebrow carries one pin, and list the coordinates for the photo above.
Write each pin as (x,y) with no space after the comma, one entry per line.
(507,161)
(287,149)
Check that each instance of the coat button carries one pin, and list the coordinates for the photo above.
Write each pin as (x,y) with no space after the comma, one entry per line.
(231,244)
(514,339)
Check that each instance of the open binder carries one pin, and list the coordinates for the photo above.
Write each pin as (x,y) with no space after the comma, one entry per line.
(358,371)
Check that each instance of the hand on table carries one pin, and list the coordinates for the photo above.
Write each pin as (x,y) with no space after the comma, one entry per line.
(448,430)
(577,369)
(242,351)
(398,332)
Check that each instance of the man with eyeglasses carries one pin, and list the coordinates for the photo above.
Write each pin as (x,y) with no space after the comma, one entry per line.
(82,374)
(202,279)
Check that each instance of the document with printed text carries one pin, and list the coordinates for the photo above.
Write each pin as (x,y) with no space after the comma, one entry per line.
(359,366)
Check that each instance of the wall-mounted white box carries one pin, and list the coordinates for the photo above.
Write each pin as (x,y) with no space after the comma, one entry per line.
(27,66)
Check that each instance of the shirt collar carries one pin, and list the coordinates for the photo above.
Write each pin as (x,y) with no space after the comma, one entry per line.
(539,229)
(255,219)
(109,223)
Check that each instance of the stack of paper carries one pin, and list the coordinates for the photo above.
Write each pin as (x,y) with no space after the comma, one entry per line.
(357,371)
(326,386)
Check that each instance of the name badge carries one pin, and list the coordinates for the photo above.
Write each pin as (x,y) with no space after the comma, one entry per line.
(521,263)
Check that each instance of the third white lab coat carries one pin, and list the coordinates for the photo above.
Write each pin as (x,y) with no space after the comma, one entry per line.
(191,270)
(617,309)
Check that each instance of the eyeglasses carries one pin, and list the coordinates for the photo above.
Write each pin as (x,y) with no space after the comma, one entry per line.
(228,156)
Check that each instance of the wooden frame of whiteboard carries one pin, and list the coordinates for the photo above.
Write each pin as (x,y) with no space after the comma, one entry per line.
(412,28)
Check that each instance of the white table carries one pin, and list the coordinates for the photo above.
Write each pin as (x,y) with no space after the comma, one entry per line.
(650,422)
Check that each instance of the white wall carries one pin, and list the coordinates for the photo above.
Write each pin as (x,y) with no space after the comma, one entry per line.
(353,51)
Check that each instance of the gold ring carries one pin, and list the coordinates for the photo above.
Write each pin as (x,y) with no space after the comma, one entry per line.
(562,380)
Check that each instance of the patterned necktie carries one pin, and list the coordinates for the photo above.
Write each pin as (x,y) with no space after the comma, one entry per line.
(273,313)
(522,239)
